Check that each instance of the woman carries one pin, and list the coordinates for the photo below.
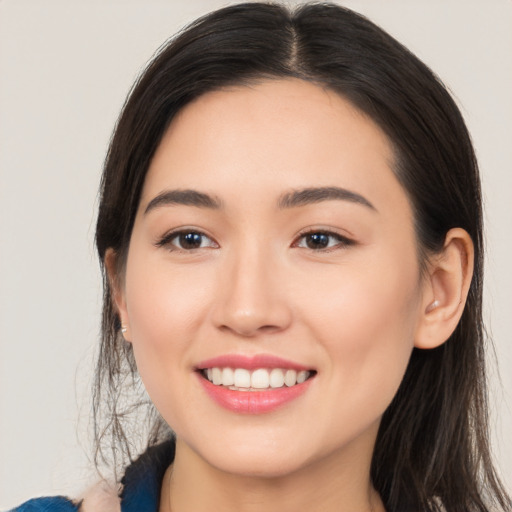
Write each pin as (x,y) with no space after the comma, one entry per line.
(290,227)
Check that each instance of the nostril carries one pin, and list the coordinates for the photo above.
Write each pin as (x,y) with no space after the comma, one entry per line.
(249,331)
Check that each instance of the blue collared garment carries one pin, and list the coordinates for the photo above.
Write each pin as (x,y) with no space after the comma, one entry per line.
(142,483)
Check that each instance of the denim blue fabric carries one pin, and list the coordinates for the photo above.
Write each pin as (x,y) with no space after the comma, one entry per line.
(142,482)
(53,504)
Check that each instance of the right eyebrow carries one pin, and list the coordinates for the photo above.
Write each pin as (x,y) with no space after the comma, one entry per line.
(183,197)
(313,195)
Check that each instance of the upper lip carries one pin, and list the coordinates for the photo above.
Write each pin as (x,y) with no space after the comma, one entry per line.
(251,362)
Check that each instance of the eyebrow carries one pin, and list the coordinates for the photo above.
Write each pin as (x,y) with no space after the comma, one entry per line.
(313,195)
(301,197)
(183,197)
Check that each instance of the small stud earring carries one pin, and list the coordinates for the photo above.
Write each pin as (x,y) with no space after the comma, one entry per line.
(123,329)
(432,306)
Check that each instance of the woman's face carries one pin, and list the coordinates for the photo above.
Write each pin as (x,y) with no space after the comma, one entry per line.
(272,242)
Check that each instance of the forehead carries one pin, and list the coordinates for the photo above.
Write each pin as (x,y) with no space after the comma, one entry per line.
(269,137)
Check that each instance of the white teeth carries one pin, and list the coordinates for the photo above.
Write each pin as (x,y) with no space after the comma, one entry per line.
(261,378)
(228,377)
(216,376)
(276,378)
(290,378)
(242,378)
(302,376)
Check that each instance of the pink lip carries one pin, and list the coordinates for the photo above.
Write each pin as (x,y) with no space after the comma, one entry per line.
(250,362)
(252,402)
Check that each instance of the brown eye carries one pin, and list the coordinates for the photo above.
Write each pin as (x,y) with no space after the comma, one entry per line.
(322,240)
(186,241)
(189,240)
(317,240)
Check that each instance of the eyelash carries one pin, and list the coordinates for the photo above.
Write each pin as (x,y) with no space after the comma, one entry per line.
(167,239)
(341,241)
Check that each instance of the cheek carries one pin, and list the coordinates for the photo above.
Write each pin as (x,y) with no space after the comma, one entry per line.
(164,310)
(366,323)
(162,301)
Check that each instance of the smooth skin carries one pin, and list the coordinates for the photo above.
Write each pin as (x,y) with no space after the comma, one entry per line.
(331,283)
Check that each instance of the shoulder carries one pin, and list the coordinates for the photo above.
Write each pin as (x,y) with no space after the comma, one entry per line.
(138,490)
(102,497)
(50,504)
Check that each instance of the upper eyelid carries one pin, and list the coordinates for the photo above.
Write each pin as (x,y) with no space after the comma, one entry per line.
(343,240)
(326,231)
(173,233)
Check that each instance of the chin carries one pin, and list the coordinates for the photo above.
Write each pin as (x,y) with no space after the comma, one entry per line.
(260,465)
(251,456)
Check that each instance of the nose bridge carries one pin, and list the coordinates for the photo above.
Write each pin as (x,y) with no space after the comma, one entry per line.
(250,299)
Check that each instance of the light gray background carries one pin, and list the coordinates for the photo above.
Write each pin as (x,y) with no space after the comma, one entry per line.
(65,68)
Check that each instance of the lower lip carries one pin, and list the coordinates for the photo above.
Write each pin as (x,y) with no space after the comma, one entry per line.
(253,402)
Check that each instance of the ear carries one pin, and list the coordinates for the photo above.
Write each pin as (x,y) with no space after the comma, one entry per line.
(117,290)
(445,290)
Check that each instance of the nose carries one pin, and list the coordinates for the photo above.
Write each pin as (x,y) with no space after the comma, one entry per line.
(252,298)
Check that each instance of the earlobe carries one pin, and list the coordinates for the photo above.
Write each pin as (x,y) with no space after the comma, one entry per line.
(446,290)
(117,290)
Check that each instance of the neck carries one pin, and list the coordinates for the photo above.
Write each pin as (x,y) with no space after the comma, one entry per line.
(338,482)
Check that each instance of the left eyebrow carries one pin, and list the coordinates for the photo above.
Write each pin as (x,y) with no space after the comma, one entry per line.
(313,195)
(184,197)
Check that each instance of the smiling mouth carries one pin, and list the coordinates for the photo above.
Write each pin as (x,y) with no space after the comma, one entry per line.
(259,379)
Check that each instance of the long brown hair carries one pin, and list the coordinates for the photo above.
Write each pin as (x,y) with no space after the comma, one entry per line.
(432,451)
